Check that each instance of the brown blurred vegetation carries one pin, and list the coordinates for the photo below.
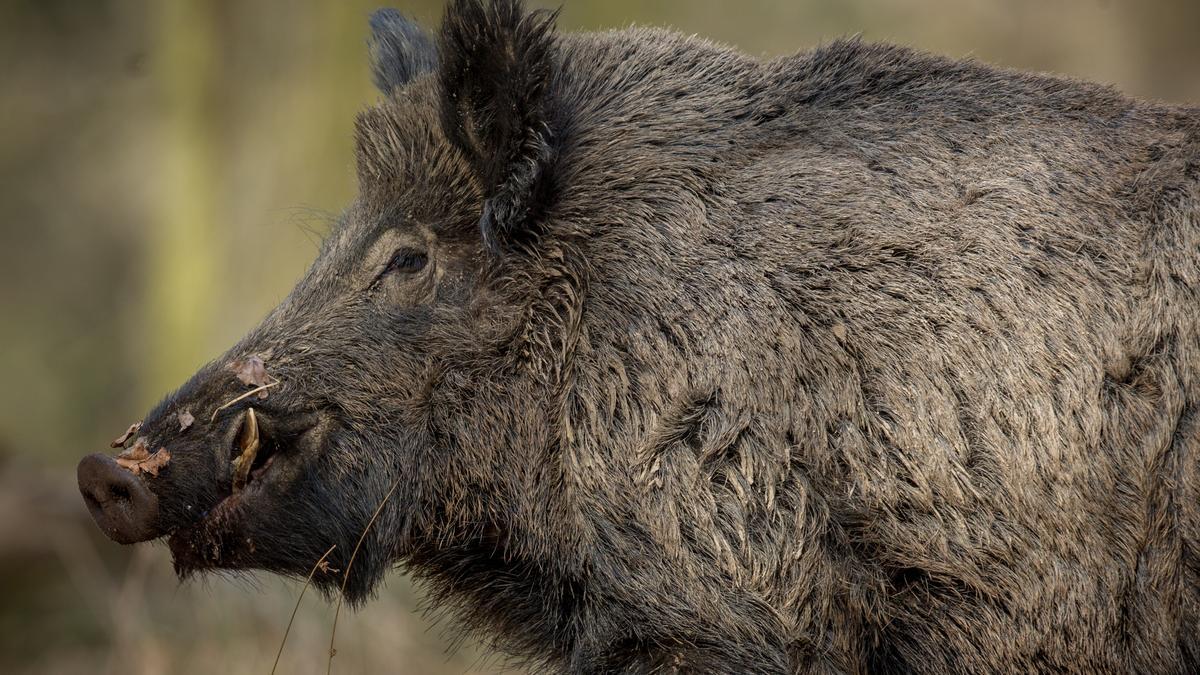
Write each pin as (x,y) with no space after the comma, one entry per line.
(166,171)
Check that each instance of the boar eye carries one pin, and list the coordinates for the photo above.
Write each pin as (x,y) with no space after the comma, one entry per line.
(406,261)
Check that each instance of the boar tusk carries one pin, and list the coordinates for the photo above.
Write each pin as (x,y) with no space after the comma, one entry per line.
(248,441)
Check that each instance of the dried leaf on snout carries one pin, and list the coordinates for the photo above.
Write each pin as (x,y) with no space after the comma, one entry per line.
(138,459)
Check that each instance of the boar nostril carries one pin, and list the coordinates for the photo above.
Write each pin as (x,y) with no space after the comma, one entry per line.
(120,503)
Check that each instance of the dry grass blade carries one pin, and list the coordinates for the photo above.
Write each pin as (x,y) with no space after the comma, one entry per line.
(307,583)
(346,576)
(242,398)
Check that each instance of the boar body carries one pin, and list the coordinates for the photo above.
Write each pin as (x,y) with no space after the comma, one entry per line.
(854,360)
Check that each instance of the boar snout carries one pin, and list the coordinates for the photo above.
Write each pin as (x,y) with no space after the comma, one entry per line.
(120,503)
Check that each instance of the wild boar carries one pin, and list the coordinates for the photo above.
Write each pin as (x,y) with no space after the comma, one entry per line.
(653,356)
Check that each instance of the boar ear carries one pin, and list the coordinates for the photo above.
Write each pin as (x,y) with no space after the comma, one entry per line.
(497,62)
(400,50)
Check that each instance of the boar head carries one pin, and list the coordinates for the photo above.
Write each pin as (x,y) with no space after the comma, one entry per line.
(414,373)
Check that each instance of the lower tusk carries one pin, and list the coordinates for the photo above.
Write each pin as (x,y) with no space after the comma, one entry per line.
(248,441)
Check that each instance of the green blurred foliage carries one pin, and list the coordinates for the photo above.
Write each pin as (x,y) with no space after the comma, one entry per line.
(167,169)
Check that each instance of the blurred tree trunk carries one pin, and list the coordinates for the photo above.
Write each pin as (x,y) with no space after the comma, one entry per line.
(1167,38)
(182,253)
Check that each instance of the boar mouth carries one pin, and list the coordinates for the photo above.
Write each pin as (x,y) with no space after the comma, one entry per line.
(260,442)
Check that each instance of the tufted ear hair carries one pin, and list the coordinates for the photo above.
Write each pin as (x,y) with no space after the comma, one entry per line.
(400,50)
(497,65)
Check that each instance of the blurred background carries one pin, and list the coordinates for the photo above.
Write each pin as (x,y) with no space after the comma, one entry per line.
(167,169)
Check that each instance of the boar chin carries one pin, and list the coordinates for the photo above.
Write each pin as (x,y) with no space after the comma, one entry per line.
(218,540)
